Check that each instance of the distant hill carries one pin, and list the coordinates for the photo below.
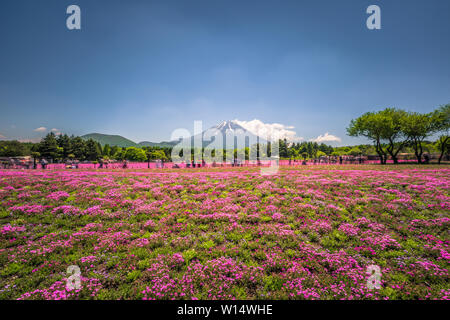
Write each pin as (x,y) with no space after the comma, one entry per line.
(116,140)
(223,134)
(112,140)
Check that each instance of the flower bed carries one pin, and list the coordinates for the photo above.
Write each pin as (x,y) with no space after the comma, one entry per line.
(225,233)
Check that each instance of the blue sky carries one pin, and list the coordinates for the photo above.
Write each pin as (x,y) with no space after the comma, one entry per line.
(144,68)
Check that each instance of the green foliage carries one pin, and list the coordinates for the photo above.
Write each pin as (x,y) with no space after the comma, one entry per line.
(156,154)
(417,127)
(392,130)
(355,151)
(11,269)
(133,275)
(64,145)
(78,148)
(135,154)
(272,283)
(14,149)
(190,254)
(384,128)
(48,147)
(208,244)
(93,150)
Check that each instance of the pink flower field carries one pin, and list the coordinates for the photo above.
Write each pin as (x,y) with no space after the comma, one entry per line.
(307,232)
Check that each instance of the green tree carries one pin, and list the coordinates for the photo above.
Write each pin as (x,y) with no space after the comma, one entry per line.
(135,154)
(385,129)
(371,125)
(60,153)
(65,143)
(35,156)
(48,147)
(247,153)
(93,151)
(355,151)
(283,151)
(326,149)
(320,154)
(107,150)
(310,150)
(443,143)
(442,123)
(152,153)
(13,149)
(78,146)
(417,127)
(116,152)
(158,154)
(393,120)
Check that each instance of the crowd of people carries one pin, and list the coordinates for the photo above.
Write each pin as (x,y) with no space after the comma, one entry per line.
(29,163)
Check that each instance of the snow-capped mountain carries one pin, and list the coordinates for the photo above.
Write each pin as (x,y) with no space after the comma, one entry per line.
(228,134)
(230,125)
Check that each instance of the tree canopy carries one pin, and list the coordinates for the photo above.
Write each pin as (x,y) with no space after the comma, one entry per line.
(391,130)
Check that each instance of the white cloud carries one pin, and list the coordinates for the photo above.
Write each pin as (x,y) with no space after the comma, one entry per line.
(56,131)
(326,138)
(272,130)
(2,136)
(40,129)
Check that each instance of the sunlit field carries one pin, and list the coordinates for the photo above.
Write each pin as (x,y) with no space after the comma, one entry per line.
(226,233)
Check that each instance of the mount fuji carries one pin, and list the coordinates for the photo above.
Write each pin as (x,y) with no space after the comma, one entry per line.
(227,134)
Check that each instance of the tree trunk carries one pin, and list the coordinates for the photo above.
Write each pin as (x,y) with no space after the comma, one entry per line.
(420,151)
(390,150)
(382,158)
(418,154)
(419,158)
(380,152)
(443,148)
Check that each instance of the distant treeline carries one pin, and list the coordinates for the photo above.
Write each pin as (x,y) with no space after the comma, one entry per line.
(61,148)
(392,131)
(58,148)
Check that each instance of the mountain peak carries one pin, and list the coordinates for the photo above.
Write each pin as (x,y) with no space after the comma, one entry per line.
(230,125)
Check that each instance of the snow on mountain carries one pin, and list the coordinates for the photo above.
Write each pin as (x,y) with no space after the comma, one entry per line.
(227,134)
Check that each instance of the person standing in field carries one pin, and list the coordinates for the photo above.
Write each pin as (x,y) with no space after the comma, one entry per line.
(44,164)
